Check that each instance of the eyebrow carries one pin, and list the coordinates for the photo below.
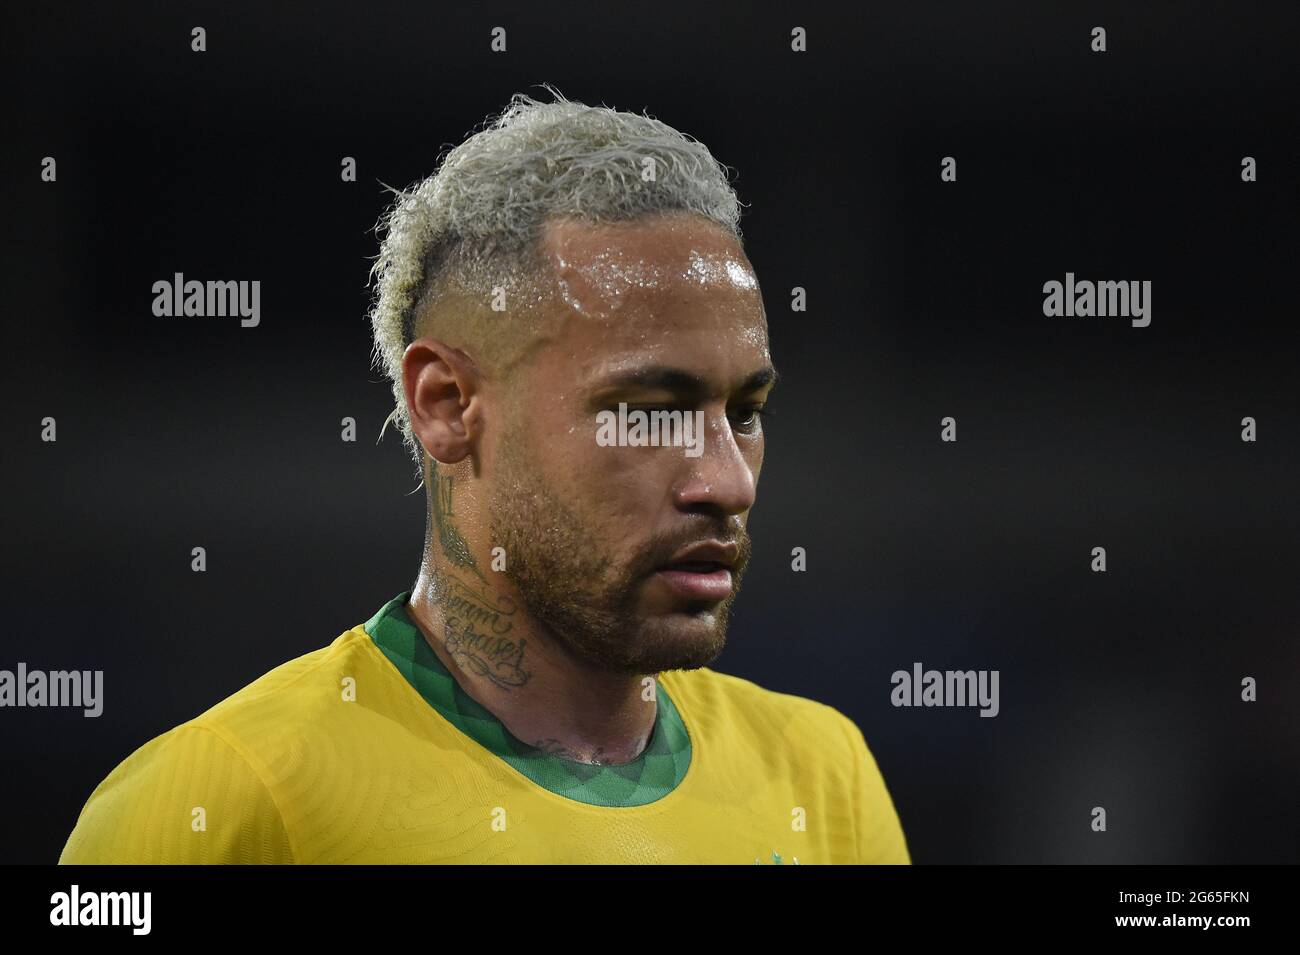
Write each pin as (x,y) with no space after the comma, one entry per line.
(681,382)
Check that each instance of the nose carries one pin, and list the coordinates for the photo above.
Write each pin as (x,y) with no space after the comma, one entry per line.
(722,480)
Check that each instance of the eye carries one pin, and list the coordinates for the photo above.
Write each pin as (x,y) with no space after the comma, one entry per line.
(748,419)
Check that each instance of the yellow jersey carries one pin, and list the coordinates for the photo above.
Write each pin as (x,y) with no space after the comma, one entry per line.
(368,751)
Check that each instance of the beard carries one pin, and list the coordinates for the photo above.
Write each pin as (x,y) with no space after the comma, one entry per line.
(583,597)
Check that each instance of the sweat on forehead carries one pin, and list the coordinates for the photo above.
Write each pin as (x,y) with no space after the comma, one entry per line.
(598,267)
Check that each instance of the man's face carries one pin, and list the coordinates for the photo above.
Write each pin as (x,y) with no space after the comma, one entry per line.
(631,556)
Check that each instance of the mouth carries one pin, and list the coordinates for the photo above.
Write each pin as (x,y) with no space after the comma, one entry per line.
(709,583)
(701,573)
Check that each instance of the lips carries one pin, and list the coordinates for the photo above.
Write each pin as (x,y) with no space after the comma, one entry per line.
(701,572)
(704,557)
(697,566)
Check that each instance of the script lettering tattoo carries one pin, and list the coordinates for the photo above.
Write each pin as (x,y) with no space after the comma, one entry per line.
(497,658)
(477,623)
(477,629)
(463,602)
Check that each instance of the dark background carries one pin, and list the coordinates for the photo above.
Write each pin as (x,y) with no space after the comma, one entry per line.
(925,299)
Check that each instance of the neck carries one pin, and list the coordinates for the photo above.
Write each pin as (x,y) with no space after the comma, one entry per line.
(508,663)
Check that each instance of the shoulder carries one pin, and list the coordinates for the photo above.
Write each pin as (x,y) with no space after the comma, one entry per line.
(298,695)
(210,789)
(748,729)
(334,693)
(185,796)
(722,703)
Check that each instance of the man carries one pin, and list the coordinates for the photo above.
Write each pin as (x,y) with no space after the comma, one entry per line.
(579,358)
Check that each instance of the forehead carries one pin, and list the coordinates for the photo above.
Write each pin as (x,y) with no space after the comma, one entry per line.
(672,286)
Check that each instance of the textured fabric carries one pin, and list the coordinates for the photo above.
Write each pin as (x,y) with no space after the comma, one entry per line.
(338,757)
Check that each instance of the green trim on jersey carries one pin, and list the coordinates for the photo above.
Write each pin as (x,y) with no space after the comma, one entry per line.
(651,776)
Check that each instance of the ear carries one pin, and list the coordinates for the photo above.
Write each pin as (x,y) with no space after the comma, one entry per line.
(444,399)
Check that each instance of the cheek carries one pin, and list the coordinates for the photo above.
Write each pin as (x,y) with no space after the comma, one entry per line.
(755,457)
(624,490)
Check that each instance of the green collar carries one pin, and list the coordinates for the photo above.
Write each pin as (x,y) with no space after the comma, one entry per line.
(651,776)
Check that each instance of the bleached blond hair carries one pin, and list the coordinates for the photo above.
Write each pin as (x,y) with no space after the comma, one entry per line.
(478,219)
